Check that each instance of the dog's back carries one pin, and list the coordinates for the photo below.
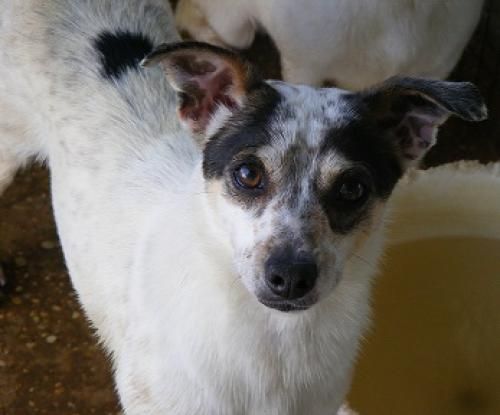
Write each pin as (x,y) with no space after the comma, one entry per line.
(61,57)
(72,93)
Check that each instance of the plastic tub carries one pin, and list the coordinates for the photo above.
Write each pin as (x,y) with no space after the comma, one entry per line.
(434,347)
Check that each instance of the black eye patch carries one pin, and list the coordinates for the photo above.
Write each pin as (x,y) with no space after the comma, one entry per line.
(362,143)
(247,129)
(346,202)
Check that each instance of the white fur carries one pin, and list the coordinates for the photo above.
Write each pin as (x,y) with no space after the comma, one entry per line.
(148,259)
(353,43)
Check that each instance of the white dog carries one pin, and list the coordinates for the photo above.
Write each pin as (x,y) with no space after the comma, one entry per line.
(350,43)
(223,251)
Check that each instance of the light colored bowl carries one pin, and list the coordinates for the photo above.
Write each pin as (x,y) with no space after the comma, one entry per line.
(434,347)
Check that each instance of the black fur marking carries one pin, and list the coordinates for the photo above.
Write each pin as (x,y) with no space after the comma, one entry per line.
(362,142)
(345,215)
(121,51)
(462,99)
(246,130)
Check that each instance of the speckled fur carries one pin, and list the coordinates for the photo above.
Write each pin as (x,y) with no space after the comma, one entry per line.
(165,263)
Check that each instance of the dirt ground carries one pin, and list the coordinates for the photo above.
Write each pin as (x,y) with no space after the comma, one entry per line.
(50,362)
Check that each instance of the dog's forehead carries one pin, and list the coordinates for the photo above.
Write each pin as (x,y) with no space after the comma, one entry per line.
(310,107)
(281,121)
(303,120)
(315,134)
(303,135)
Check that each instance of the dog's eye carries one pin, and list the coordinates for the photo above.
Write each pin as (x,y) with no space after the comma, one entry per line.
(352,191)
(248,176)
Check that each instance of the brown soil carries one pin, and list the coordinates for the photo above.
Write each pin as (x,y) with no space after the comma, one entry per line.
(49,361)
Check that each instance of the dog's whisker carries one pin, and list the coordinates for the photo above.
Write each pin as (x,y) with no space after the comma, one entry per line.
(363,260)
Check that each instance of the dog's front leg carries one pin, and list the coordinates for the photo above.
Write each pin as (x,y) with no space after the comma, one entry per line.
(8,163)
(17,147)
(12,149)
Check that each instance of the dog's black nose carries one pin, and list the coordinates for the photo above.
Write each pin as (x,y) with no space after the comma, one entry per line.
(290,278)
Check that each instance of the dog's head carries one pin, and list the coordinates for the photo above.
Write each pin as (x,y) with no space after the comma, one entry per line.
(298,177)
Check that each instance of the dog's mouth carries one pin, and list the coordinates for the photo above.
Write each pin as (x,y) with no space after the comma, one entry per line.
(287,306)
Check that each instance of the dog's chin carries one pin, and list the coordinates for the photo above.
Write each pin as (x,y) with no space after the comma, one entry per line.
(287,306)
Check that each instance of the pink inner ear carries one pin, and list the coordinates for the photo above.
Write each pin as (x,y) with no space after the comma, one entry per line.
(206,88)
(416,134)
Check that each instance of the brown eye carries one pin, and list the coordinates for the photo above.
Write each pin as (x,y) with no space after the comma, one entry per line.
(352,191)
(248,176)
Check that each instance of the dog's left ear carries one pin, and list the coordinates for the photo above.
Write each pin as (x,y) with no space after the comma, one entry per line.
(211,82)
(410,111)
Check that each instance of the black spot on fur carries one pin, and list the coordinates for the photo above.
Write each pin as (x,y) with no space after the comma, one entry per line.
(120,51)
(246,130)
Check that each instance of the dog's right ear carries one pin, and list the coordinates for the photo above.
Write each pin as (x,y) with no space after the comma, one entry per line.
(211,82)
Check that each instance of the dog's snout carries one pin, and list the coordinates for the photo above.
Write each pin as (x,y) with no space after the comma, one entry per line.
(290,278)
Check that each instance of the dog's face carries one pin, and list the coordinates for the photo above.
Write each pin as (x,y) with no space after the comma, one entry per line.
(296,199)
(298,177)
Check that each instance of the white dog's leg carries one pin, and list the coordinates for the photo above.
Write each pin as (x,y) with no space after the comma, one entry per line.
(8,168)
(16,148)
(19,141)
(10,135)
(217,22)
(190,20)
(9,161)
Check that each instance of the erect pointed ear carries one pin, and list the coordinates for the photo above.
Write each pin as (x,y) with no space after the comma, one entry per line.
(411,110)
(211,82)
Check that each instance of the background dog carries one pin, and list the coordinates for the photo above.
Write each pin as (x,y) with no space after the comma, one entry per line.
(221,231)
(350,44)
